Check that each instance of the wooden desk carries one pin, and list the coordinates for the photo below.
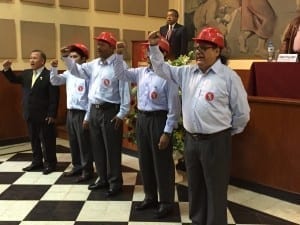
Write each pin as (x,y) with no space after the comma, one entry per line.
(267,152)
(271,79)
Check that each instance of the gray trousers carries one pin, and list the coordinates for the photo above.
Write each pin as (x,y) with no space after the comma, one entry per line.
(208,171)
(106,145)
(156,166)
(79,139)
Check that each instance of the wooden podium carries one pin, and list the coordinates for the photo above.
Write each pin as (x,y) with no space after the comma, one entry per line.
(275,79)
(267,152)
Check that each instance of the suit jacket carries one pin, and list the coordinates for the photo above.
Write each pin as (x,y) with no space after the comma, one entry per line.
(179,41)
(39,101)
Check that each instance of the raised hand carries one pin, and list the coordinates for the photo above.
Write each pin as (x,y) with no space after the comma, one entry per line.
(54,63)
(65,51)
(120,47)
(7,64)
(154,37)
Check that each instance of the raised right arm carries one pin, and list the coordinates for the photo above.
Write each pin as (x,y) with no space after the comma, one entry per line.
(9,74)
(55,78)
(74,68)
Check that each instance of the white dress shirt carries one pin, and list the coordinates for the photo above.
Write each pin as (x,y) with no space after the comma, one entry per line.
(211,101)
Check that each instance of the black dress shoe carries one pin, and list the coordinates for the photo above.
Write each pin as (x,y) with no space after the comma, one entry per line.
(101,184)
(112,192)
(73,172)
(164,210)
(146,204)
(48,169)
(83,178)
(33,167)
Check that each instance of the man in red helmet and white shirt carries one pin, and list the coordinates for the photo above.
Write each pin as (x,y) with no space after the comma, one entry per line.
(109,101)
(158,113)
(214,107)
(77,115)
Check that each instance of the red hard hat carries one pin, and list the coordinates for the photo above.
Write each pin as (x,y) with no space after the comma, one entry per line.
(211,34)
(81,47)
(162,43)
(107,37)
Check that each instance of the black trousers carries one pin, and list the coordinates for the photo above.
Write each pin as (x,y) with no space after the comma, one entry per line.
(106,144)
(156,166)
(79,139)
(208,171)
(43,142)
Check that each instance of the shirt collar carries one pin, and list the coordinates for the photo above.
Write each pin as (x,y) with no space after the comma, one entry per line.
(39,70)
(149,69)
(215,68)
(108,60)
(172,26)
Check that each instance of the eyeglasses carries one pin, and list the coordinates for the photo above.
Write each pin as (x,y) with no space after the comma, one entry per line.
(202,48)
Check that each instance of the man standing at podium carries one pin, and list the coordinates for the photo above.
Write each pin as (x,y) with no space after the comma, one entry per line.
(176,35)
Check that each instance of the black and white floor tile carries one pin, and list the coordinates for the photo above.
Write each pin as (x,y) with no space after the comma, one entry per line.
(31,198)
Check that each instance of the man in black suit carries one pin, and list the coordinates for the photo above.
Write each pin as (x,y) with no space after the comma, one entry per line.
(40,103)
(176,34)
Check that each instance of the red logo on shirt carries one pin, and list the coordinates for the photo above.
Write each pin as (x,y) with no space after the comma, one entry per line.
(80,88)
(106,82)
(209,96)
(153,95)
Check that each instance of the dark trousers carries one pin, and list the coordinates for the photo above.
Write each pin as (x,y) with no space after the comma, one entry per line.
(156,166)
(79,139)
(43,142)
(106,143)
(208,171)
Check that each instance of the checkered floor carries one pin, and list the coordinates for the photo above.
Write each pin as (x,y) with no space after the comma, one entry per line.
(31,198)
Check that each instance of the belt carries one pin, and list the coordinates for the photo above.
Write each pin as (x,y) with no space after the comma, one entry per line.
(199,136)
(105,105)
(76,111)
(153,113)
